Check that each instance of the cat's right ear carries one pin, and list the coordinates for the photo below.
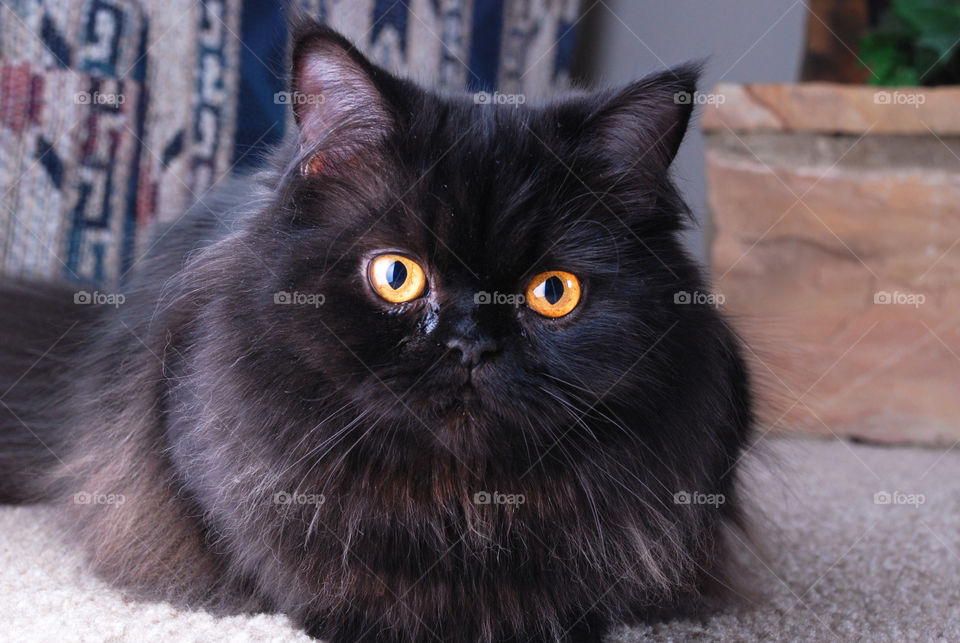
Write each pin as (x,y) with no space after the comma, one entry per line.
(639,126)
(337,102)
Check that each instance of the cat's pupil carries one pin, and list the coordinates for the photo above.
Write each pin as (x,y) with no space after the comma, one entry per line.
(396,274)
(553,289)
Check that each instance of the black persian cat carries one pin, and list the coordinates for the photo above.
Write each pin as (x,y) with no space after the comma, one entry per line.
(429,376)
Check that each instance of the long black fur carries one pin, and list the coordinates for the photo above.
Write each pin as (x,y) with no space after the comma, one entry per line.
(199,399)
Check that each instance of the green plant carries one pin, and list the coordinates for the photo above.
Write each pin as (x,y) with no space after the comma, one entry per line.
(916,42)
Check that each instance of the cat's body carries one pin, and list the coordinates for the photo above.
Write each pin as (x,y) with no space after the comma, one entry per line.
(442,469)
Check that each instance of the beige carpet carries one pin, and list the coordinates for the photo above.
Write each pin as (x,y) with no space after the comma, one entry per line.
(836,565)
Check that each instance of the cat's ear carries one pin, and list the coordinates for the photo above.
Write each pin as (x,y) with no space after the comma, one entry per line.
(338,105)
(644,123)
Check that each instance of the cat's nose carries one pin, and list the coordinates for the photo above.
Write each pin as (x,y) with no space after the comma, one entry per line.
(472,351)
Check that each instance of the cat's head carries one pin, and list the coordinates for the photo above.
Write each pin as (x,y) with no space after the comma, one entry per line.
(473,273)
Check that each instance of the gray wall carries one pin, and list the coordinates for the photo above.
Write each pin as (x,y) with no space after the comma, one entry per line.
(744,41)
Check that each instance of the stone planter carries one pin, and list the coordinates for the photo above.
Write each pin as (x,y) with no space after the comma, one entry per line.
(836,213)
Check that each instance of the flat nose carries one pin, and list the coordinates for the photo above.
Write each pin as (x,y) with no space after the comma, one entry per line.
(472,351)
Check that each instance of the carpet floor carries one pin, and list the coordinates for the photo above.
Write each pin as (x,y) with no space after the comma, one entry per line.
(829,560)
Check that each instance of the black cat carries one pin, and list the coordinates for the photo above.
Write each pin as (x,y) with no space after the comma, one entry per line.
(431,375)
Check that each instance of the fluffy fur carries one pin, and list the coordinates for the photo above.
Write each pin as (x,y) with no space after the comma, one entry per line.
(200,399)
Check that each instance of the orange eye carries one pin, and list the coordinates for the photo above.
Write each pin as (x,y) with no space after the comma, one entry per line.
(554,293)
(397,278)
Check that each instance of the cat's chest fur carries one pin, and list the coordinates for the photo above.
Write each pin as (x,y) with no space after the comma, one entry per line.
(366,523)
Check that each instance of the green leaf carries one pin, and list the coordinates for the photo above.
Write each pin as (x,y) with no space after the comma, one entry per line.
(903,77)
(914,42)
(942,43)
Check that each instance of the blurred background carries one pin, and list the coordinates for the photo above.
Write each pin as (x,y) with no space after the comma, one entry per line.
(823,169)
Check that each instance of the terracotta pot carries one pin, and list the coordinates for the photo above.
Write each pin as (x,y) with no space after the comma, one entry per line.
(836,212)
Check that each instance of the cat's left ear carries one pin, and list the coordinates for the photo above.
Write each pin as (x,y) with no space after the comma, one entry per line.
(644,123)
(336,96)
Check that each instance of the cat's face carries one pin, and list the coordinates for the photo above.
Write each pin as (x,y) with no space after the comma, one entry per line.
(487,273)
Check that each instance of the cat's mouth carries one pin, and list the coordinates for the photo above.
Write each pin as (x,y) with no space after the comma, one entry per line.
(468,393)
(462,398)
(458,393)
(464,379)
